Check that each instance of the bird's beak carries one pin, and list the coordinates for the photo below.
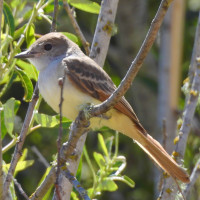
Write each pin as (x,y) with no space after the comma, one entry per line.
(25,54)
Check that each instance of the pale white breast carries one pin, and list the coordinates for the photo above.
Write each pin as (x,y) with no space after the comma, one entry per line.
(74,99)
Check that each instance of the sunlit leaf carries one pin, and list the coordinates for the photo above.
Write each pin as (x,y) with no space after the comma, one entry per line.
(9,19)
(29,69)
(3,126)
(103,145)
(9,115)
(86,5)
(21,165)
(30,35)
(99,159)
(108,185)
(46,120)
(24,154)
(18,32)
(26,83)
(74,196)
(72,37)
(79,170)
(128,181)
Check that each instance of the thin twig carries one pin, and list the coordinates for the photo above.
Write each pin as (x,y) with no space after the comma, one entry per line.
(61,83)
(190,106)
(79,127)
(76,27)
(16,139)
(194,176)
(18,148)
(82,192)
(40,156)
(22,192)
(55,14)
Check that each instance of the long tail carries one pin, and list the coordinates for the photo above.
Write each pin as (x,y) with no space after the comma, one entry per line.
(125,125)
(161,157)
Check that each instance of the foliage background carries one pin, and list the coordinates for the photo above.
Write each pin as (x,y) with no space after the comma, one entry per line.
(132,22)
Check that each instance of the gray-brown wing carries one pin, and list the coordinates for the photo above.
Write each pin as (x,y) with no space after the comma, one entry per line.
(88,77)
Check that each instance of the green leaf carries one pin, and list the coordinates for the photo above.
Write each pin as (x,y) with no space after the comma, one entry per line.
(103,145)
(26,83)
(9,79)
(18,32)
(46,120)
(99,159)
(3,126)
(128,181)
(49,8)
(109,143)
(72,37)
(74,196)
(30,35)
(79,170)
(86,5)
(21,165)
(9,115)
(29,69)
(24,154)
(9,19)
(108,185)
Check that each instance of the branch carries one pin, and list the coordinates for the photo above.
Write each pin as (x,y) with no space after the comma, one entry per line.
(18,185)
(82,192)
(103,31)
(45,185)
(188,114)
(195,174)
(61,83)
(76,27)
(55,14)
(18,148)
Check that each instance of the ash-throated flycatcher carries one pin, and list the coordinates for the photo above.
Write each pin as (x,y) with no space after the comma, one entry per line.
(86,82)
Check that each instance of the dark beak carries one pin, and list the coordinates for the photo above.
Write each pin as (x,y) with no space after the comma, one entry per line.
(25,54)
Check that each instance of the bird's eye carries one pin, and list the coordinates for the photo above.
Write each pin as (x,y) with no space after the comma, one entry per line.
(47,47)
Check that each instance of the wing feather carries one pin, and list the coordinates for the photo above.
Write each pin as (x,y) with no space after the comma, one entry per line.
(92,79)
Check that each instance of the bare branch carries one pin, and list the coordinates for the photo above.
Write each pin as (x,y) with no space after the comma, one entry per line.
(76,27)
(61,83)
(194,176)
(45,185)
(189,110)
(76,184)
(21,189)
(103,31)
(18,148)
(55,14)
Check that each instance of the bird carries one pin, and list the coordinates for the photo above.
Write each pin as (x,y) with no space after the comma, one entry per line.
(56,56)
